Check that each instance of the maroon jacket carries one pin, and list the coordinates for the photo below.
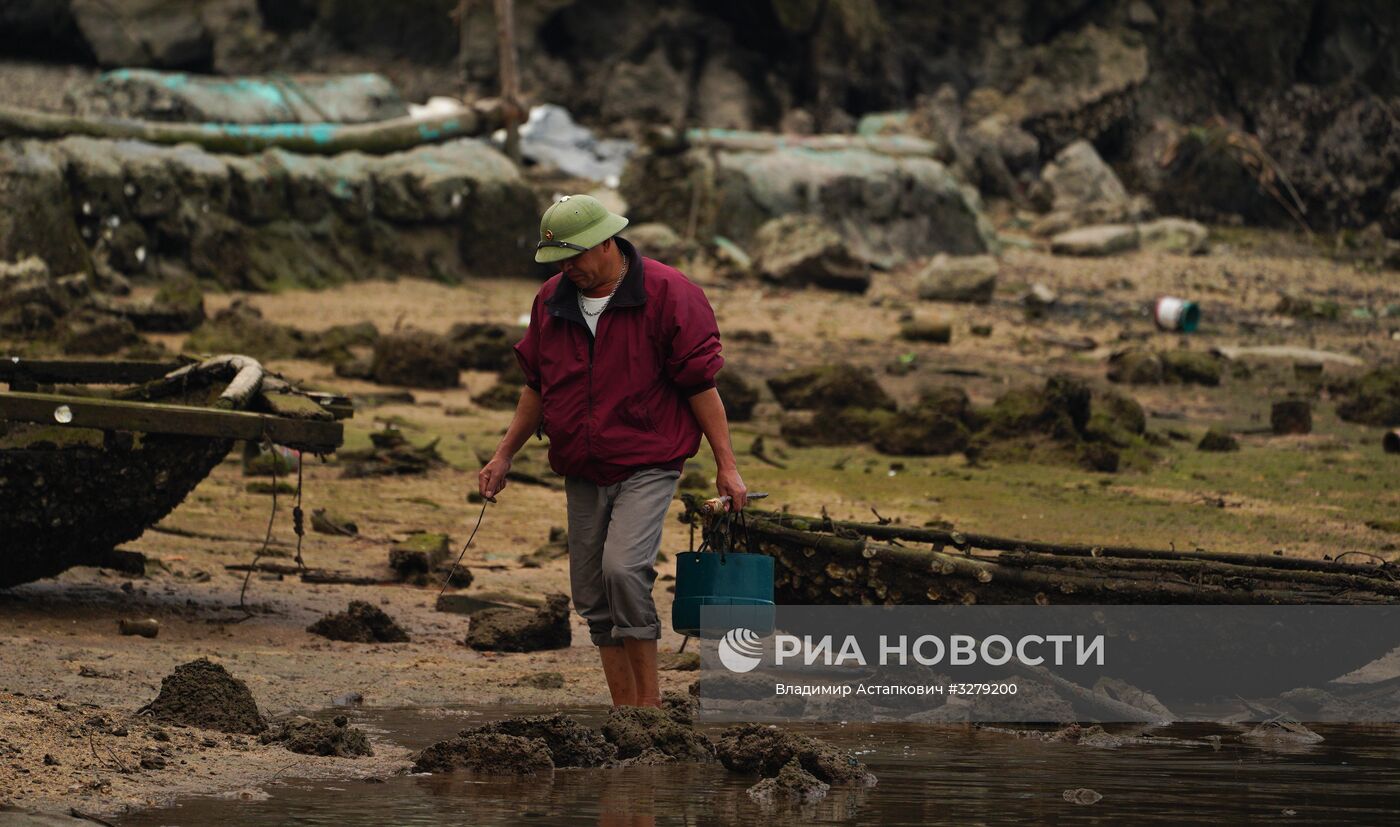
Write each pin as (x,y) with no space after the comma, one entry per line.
(620,402)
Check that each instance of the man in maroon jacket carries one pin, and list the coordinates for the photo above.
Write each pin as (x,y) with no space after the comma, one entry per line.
(620,360)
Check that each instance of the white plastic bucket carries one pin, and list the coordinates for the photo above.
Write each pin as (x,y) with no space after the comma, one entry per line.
(1172,313)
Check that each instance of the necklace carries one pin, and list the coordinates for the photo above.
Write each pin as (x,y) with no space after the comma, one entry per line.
(608,300)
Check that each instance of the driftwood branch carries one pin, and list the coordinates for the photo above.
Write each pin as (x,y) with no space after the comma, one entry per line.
(378,138)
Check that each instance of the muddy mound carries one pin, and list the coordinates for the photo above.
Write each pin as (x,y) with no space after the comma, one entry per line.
(792,784)
(203,694)
(522,630)
(1371,399)
(487,753)
(767,750)
(360,623)
(310,737)
(570,743)
(415,359)
(830,387)
(634,730)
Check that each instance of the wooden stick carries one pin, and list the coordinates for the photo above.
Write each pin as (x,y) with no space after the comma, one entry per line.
(219,538)
(510,80)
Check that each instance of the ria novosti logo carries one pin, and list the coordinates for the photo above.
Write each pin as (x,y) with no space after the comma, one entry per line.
(740,650)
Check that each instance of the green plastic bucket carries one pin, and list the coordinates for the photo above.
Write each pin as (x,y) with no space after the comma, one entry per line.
(741,582)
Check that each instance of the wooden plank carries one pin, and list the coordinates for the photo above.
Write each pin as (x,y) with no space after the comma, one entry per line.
(146,417)
(83,371)
(295,407)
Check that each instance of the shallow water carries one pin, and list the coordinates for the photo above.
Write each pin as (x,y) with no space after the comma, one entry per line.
(927,775)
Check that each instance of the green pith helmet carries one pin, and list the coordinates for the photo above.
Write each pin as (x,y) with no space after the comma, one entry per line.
(574,224)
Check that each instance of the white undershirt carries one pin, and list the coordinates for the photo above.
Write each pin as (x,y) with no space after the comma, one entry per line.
(593,306)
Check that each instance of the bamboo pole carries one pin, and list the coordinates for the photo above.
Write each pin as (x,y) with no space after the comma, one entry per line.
(377,138)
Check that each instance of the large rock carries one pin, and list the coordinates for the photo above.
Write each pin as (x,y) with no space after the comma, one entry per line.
(958,279)
(1338,147)
(273,219)
(171,34)
(1078,188)
(1174,235)
(1080,84)
(888,209)
(801,250)
(36,215)
(1098,240)
(146,94)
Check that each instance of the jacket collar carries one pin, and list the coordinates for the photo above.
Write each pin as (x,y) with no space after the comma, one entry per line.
(631,293)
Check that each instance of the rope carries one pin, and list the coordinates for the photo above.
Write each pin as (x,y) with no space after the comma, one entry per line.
(298,516)
(453,571)
(267,541)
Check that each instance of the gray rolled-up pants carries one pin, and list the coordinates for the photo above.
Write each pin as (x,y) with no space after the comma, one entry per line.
(614,535)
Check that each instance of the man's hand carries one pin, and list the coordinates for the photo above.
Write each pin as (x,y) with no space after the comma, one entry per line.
(492,477)
(731,485)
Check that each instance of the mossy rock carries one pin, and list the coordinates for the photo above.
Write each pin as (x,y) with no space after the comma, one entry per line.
(1136,367)
(501,396)
(1122,410)
(1099,456)
(1372,399)
(1191,367)
(920,431)
(1015,412)
(334,344)
(1218,440)
(948,400)
(485,346)
(826,427)
(830,387)
(415,359)
(241,328)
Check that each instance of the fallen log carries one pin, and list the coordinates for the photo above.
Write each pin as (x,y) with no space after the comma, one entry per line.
(379,138)
(965,540)
(741,141)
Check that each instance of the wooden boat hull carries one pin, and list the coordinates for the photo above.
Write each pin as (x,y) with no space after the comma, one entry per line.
(69,505)
(83,471)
